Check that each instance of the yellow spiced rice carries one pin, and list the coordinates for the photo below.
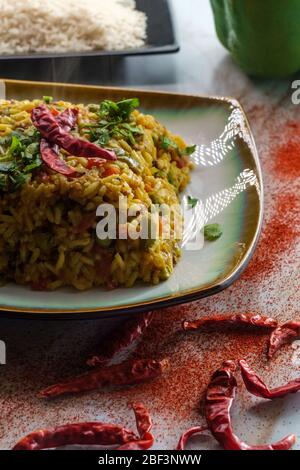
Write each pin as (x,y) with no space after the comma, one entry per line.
(48,224)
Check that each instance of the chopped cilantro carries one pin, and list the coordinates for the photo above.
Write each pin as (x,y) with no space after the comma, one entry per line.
(20,156)
(48,99)
(114,122)
(118,111)
(6,167)
(212,232)
(167,143)
(15,145)
(192,201)
(190,150)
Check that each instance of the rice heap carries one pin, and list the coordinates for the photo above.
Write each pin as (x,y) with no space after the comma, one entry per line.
(48,220)
(70,25)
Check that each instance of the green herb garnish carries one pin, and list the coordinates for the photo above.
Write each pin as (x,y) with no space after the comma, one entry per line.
(118,111)
(3,181)
(15,146)
(48,99)
(100,136)
(192,201)
(20,155)
(6,167)
(190,150)
(171,179)
(212,232)
(93,108)
(114,122)
(168,144)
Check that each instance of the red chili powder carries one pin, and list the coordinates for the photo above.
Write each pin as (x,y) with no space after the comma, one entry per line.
(287,156)
(193,359)
(279,234)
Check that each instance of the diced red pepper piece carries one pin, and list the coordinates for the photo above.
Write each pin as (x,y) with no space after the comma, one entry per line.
(54,112)
(111,170)
(95,162)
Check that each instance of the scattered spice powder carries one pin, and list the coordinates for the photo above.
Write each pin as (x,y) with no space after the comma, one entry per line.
(287,156)
(192,359)
(279,235)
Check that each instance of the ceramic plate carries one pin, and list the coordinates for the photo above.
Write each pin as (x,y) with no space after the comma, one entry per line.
(227,179)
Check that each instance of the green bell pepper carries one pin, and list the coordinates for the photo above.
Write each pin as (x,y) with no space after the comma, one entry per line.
(263,36)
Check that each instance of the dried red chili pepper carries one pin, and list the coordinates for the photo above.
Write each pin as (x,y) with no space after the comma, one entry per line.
(257,387)
(50,152)
(79,433)
(144,426)
(144,444)
(143,419)
(87,434)
(127,373)
(122,339)
(53,161)
(220,395)
(284,334)
(187,435)
(67,119)
(228,320)
(54,133)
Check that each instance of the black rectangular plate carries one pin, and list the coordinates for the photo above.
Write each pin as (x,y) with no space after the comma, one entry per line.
(161,38)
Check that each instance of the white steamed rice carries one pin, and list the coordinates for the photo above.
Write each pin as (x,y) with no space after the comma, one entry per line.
(70,25)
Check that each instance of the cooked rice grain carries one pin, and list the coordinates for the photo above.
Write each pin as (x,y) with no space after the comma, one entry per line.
(84,25)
